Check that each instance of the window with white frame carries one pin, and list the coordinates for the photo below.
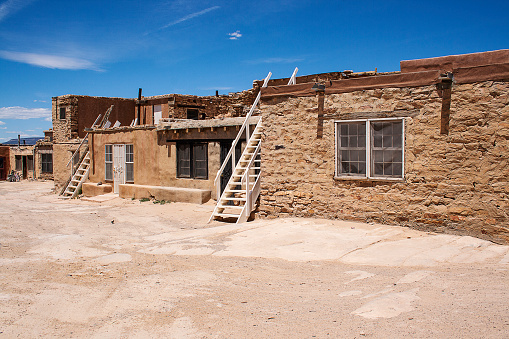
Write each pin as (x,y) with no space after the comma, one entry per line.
(108,161)
(370,148)
(129,163)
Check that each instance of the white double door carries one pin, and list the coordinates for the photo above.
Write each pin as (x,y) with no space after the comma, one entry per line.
(118,167)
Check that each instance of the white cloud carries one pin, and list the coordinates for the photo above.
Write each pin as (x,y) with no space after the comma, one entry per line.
(40,101)
(17,112)
(2,123)
(275,61)
(235,35)
(12,6)
(50,61)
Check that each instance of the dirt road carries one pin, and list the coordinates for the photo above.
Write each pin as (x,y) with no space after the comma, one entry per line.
(131,269)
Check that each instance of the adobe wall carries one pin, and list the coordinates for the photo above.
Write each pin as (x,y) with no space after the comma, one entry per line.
(455,183)
(176,105)
(22,151)
(62,152)
(81,112)
(155,160)
(43,148)
(89,109)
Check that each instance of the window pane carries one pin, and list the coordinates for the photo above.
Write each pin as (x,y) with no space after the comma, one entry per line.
(184,160)
(387,150)
(387,141)
(361,141)
(108,173)
(200,161)
(397,140)
(345,167)
(352,129)
(353,141)
(397,169)
(352,148)
(377,141)
(129,172)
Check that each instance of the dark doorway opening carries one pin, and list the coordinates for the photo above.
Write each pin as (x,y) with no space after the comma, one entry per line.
(227,172)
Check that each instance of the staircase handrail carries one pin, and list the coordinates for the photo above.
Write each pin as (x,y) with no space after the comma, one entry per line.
(245,177)
(234,143)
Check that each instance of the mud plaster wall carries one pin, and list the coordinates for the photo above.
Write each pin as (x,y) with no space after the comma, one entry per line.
(38,161)
(62,152)
(23,151)
(155,160)
(81,112)
(209,107)
(456,183)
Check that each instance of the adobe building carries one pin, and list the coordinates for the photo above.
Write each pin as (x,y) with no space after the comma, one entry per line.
(426,147)
(71,114)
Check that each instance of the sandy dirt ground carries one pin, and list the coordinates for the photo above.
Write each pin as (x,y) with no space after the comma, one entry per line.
(130,269)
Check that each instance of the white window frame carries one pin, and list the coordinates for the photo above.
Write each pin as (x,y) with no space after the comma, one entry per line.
(127,146)
(369,146)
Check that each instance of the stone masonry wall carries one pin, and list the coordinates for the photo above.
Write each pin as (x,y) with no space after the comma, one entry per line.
(455,183)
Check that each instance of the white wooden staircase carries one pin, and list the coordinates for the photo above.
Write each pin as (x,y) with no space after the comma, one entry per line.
(238,199)
(78,178)
(239,196)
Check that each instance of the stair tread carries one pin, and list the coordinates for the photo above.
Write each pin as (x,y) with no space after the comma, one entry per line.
(226,215)
(230,206)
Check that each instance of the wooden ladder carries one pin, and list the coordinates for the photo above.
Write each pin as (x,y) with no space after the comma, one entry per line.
(239,196)
(78,178)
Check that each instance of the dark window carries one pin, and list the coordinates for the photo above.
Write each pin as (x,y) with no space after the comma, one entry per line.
(47,163)
(30,162)
(192,113)
(62,113)
(384,148)
(1,162)
(18,162)
(129,163)
(192,160)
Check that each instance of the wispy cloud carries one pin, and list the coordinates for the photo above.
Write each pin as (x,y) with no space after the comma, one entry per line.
(275,61)
(185,18)
(50,61)
(17,112)
(235,35)
(12,6)
(40,100)
(2,123)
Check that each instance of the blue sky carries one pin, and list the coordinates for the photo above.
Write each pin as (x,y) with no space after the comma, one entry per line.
(111,48)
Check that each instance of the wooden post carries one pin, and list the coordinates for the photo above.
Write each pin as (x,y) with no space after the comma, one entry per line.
(319,127)
(446,106)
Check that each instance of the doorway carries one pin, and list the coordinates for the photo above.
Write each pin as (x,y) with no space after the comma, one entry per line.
(227,172)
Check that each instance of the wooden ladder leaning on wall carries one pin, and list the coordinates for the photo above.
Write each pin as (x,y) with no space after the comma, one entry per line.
(79,174)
